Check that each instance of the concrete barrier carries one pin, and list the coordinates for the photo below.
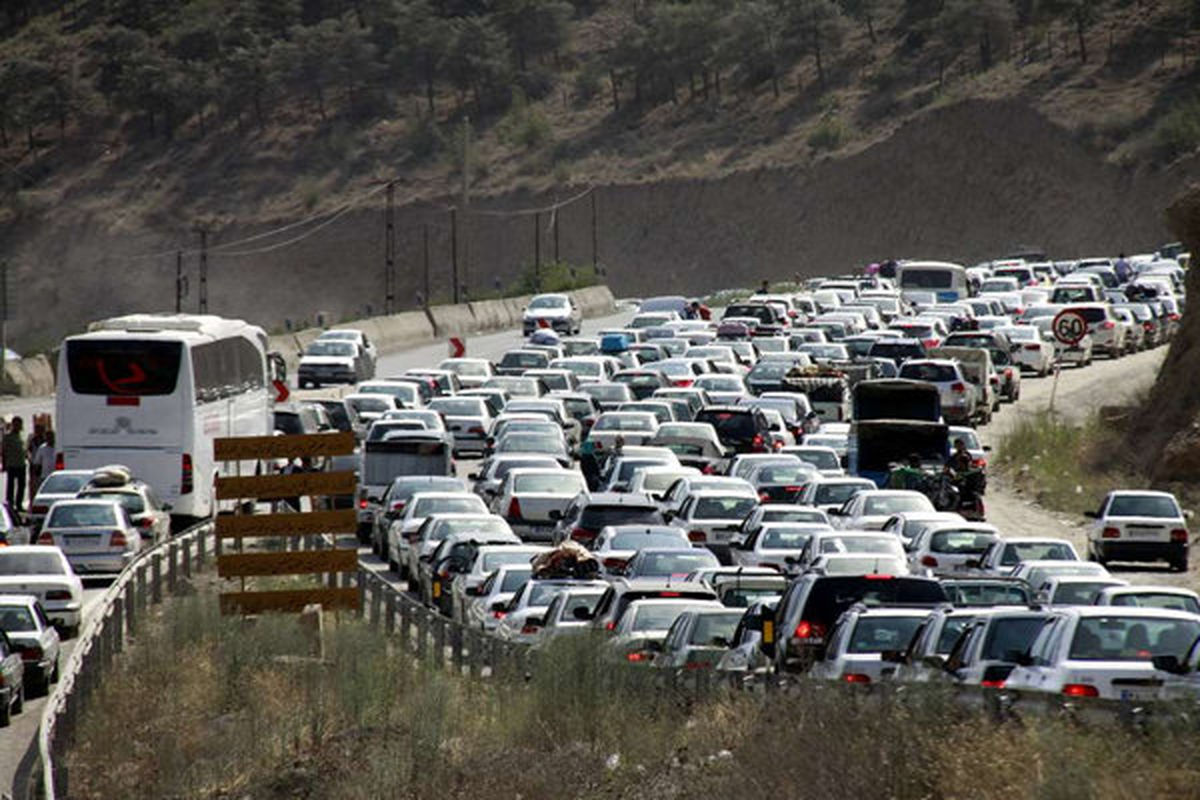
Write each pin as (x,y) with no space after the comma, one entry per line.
(595,301)
(400,331)
(28,377)
(493,315)
(452,320)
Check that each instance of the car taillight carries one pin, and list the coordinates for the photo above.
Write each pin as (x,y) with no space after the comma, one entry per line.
(697,536)
(1148,326)
(117,539)
(1110,533)
(1033,347)
(499,614)
(986,684)
(31,653)
(514,509)
(682,383)
(979,463)
(793,489)
(958,388)
(145,523)
(1173,317)
(614,563)
(475,430)
(398,506)
(38,509)
(808,630)
(1008,373)
(763,497)
(1108,325)
(610,626)
(757,441)
(928,561)
(636,657)
(528,629)
(856,677)
(582,535)
(58,594)
(1179,536)
(187,478)
(874,576)
(930,343)
(1080,690)
(45,538)
(362,502)
(698,665)
(59,461)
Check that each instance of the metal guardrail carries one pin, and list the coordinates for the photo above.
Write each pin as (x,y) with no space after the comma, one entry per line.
(140,585)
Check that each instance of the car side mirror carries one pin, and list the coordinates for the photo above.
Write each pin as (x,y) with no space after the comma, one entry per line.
(372,499)
(581,613)
(987,448)
(1169,663)
(668,515)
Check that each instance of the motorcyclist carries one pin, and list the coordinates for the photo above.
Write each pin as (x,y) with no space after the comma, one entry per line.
(960,461)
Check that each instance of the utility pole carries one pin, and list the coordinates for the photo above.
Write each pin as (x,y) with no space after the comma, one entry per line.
(464,201)
(595,248)
(178,281)
(389,252)
(454,255)
(537,250)
(425,247)
(203,295)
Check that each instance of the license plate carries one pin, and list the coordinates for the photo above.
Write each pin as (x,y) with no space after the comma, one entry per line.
(1143,533)
(81,539)
(1139,695)
(437,589)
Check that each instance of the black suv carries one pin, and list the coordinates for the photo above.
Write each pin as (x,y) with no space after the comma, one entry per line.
(745,429)
(813,602)
(588,513)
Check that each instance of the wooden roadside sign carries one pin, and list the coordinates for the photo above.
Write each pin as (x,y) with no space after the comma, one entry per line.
(251,448)
(277,487)
(309,562)
(288,601)
(239,527)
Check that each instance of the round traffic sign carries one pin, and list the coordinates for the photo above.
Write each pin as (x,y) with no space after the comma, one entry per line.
(1069,327)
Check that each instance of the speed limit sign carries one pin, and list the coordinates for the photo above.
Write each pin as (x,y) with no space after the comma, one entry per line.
(1069,327)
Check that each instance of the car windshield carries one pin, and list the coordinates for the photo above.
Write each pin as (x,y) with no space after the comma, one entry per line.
(1118,638)
(916,331)
(498,558)
(1176,602)
(829,494)
(961,543)
(720,383)
(987,594)
(614,422)
(862,544)
(540,593)
(467,504)
(934,373)
(657,616)
(468,368)
(784,539)
(608,391)
(715,630)
(594,517)
(60,483)
(132,502)
(565,483)
(915,278)
(810,515)
(1143,505)
(458,407)
(783,474)
(514,579)
(1017,552)
(369,405)
(483,526)
(769,370)
(31,563)
(17,619)
(951,629)
(635,540)
(548,302)
(1078,593)
(723,507)
(876,634)
(327,347)
(1008,635)
(525,359)
(82,516)
(660,481)
(676,563)
(895,504)
(530,443)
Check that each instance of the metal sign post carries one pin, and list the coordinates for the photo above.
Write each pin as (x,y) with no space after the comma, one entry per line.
(1069,327)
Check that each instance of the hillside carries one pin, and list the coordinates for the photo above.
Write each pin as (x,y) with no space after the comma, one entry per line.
(727,139)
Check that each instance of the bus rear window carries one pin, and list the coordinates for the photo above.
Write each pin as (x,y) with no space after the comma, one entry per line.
(126,368)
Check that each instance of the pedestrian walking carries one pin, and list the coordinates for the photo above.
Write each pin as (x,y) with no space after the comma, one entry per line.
(15,462)
(42,463)
(1122,268)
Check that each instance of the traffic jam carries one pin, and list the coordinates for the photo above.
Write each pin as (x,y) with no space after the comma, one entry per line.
(793,484)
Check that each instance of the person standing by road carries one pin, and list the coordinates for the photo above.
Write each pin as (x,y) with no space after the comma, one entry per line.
(1122,268)
(13,452)
(698,310)
(42,463)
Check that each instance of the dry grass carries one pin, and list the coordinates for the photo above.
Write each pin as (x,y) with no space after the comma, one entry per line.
(211,707)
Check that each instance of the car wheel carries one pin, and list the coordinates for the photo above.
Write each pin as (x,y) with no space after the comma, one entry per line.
(1180,564)
(5,714)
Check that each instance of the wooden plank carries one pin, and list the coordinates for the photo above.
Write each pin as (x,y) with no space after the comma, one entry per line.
(246,565)
(249,448)
(238,525)
(288,601)
(274,487)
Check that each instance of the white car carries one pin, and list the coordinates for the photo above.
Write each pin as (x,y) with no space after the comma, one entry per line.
(775,544)
(633,427)
(946,547)
(907,524)
(486,607)
(403,530)
(685,487)
(472,372)
(370,353)
(528,497)
(1005,554)
(1032,350)
(1074,590)
(332,361)
(1035,573)
(958,397)
(830,494)
(524,616)
(854,654)
(97,536)
(438,527)
(868,510)
(1139,526)
(1143,596)
(835,542)
(711,518)
(557,312)
(614,545)
(1101,652)
(655,481)
(825,459)
(45,573)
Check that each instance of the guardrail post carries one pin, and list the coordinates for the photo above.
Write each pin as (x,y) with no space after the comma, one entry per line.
(422,632)
(141,588)
(156,578)
(471,640)
(376,604)
(119,627)
(406,623)
(187,558)
(390,620)
(128,596)
(456,646)
(200,544)
(439,641)
(172,556)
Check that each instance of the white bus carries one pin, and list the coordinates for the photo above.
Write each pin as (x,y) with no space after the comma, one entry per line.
(151,391)
(947,282)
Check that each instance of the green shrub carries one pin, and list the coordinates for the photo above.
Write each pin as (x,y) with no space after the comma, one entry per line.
(424,138)
(523,125)
(830,134)
(1178,133)
(554,276)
